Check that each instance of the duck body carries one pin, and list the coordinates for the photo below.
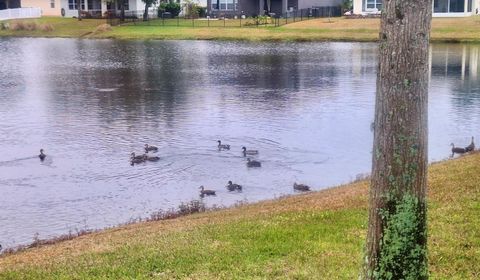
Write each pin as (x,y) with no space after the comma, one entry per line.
(471,147)
(223,146)
(233,187)
(457,150)
(140,157)
(150,148)
(249,152)
(301,187)
(154,158)
(253,163)
(136,160)
(42,156)
(204,192)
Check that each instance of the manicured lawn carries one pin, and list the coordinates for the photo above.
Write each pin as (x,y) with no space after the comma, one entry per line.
(336,29)
(319,235)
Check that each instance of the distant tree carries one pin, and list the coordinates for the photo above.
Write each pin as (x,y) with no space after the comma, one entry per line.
(397,230)
(79,9)
(148,4)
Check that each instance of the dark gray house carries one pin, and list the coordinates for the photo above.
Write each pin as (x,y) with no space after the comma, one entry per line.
(261,7)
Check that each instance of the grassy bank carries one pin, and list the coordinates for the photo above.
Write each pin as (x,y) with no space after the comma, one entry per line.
(335,29)
(318,235)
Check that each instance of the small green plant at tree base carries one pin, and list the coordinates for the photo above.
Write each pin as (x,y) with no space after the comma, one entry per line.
(401,256)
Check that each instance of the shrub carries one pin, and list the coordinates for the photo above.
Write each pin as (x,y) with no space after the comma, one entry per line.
(4,26)
(17,26)
(172,8)
(30,26)
(47,27)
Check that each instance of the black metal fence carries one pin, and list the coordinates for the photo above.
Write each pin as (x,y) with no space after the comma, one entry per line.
(155,18)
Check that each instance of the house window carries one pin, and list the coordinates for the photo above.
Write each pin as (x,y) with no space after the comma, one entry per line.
(52,4)
(374,4)
(225,5)
(72,4)
(451,6)
(125,5)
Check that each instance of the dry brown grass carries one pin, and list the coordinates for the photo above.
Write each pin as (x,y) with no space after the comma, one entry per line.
(103,28)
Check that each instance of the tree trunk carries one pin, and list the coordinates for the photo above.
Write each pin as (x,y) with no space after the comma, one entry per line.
(79,8)
(396,239)
(145,13)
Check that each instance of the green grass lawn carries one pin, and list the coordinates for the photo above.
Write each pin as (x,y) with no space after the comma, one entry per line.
(334,29)
(319,235)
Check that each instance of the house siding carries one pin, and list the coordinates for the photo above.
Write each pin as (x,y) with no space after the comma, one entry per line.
(45,6)
(358,8)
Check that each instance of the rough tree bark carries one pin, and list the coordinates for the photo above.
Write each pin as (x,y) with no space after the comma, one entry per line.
(397,216)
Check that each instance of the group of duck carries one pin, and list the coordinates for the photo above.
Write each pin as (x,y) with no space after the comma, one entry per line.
(136,159)
(250,163)
(459,150)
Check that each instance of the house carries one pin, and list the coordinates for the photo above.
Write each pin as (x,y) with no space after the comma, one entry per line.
(261,7)
(68,8)
(48,7)
(441,8)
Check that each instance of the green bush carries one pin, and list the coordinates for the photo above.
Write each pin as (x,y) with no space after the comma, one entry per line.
(172,7)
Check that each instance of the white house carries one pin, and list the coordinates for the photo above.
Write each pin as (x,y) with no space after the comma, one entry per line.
(96,8)
(441,8)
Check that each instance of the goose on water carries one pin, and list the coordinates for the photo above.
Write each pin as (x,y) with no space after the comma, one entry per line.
(150,148)
(42,156)
(136,161)
(249,152)
(223,146)
(133,156)
(154,158)
(232,187)
(203,191)
(457,150)
(253,163)
(301,187)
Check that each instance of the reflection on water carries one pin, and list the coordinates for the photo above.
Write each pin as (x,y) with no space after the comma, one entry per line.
(90,103)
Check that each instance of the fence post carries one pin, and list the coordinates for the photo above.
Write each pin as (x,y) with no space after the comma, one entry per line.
(240,21)
(178,21)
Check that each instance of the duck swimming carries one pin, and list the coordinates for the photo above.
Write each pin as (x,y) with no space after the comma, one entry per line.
(232,187)
(150,148)
(249,152)
(253,163)
(457,150)
(223,146)
(42,156)
(136,161)
(203,191)
(133,156)
(301,187)
(154,158)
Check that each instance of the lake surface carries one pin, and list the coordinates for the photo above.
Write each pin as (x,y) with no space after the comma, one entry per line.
(89,103)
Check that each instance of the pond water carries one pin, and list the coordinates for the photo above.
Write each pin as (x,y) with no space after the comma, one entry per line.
(307,107)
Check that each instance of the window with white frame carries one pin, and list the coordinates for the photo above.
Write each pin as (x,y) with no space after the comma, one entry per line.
(451,6)
(225,5)
(374,5)
(72,4)
(52,4)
